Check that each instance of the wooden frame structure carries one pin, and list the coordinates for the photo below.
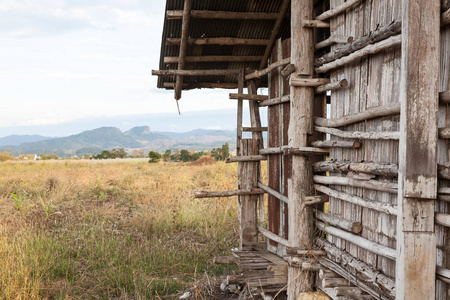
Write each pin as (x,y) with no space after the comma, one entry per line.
(357,138)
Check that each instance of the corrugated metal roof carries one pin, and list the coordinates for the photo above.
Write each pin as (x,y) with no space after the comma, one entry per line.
(215,28)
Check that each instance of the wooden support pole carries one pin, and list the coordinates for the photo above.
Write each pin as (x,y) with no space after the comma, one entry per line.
(337,10)
(274,193)
(378,206)
(248,180)
(300,216)
(336,144)
(274,35)
(368,50)
(248,97)
(214,14)
(333,39)
(363,135)
(419,87)
(272,236)
(304,151)
(332,86)
(272,150)
(240,109)
(213,58)
(223,41)
(194,72)
(207,194)
(334,220)
(255,118)
(308,82)
(381,169)
(261,73)
(275,101)
(370,113)
(373,37)
(252,129)
(315,24)
(359,241)
(186,15)
(246,158)
(389,187)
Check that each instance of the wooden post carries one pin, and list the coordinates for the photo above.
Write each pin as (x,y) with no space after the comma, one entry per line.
(248,179)
(239,112)
(183,46)
(416,241)
(301,226)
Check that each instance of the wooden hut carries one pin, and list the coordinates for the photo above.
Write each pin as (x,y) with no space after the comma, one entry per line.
(357,147)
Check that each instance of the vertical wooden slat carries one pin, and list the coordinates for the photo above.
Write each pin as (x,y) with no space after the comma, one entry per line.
(301,125)
(239,112)
(248,179)
(183,46)
(419,87)
(254,113)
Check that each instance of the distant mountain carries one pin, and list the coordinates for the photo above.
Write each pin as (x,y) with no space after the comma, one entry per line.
(141,137)
(15,140)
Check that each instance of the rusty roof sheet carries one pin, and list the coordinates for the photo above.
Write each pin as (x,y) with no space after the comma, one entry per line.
(214,28)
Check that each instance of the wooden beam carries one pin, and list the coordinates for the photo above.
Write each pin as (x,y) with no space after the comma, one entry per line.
(274,193)
(202,85)
(444,97)
(332,40)
(194,72)
(246,158)
(442,219)
(335,85)
(319,199)
(368,50)
(300,216)
(315,24)
(275,101)
(272,150)
(186,15)
(272,236)
(223,41)
(381,169)
(304,151)
(359,241)
(419,87)
(337,221)
(370,113)
(208,194)
(213,58)
(363,135)
(378,206)
(308,82)
(337,10)
(261,73)
(376,185)
(336,144)
(275,31)
(251,129)
(214,14)
(248,97)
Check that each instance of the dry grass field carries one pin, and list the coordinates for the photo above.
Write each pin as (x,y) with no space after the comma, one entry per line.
(111,230)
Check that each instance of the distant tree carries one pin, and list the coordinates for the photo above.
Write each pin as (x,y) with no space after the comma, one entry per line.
(196,156)
(221,153)
(176,154)
(154,157)
(167,155)
(184,155)
(49,156)
(6,156)
(105,154)
(118,153)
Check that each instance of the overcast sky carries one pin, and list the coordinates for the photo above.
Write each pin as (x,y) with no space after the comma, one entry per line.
(64,60)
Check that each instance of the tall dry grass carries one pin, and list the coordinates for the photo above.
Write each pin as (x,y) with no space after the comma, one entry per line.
(100,230)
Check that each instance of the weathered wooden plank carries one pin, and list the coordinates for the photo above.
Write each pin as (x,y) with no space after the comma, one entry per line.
(223,41)
(375,185)
(337,10)
(181,72)
(214,14)
(213,58)
(338,144)
(334,220)
(247,97)
(208,194)
(274,193)
(360,134)
(419,88)
(273,236)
